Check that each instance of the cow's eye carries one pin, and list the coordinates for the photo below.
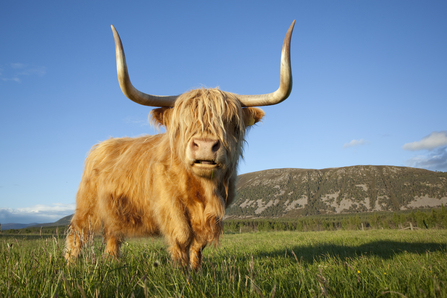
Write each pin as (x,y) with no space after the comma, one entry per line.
(236,131)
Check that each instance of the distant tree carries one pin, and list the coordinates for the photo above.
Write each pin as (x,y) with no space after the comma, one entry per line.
(396,219)
(374,220)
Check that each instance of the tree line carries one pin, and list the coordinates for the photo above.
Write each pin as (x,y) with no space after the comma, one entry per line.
(435,218)
(54,230)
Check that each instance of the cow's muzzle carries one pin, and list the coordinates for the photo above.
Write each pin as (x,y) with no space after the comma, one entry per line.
(204,152)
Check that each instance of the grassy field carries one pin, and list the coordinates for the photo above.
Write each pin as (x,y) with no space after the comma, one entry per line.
(372,263)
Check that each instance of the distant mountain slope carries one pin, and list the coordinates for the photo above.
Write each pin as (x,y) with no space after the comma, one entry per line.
(64,221)
(294,192)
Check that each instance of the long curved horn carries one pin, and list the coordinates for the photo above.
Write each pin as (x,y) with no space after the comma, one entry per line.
(285,86)
(127,87)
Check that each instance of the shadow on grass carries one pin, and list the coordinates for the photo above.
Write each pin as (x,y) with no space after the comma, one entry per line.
(383,249)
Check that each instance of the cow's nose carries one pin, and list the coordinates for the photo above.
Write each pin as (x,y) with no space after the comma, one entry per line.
(205,145)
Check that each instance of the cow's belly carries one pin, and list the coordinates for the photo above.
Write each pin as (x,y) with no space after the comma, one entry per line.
(128,218)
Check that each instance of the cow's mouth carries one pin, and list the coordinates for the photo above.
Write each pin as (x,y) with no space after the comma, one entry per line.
(206,168)
(209,163)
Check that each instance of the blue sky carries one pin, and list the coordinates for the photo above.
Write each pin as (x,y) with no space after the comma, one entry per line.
(370,84)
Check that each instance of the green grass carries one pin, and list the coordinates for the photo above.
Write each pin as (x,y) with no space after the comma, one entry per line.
(373,263)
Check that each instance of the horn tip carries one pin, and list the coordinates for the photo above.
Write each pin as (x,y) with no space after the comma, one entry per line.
(113,28)
(293,24)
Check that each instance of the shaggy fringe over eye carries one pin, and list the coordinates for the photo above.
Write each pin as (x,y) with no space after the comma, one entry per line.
(206,111)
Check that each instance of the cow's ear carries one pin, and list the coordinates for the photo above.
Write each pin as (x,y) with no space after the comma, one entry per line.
(160,116)
(252,115)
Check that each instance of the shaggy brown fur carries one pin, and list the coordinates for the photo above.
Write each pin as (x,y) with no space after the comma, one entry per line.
(167,183)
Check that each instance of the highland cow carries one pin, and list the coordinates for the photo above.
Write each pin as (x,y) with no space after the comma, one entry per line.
(176,184)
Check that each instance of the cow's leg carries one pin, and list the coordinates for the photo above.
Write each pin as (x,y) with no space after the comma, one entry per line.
(180,241)
(113,244)
(76,238)
(178,233)
(179,253)
(195,253)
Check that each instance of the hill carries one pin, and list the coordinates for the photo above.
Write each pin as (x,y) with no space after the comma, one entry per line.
(64,221)
(295,192)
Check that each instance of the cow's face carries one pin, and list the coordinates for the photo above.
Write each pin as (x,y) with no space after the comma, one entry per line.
(207,128)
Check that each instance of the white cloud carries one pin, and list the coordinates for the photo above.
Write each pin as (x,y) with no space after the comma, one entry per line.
(434,140)
(354,143)
(36,213)
(435,160)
